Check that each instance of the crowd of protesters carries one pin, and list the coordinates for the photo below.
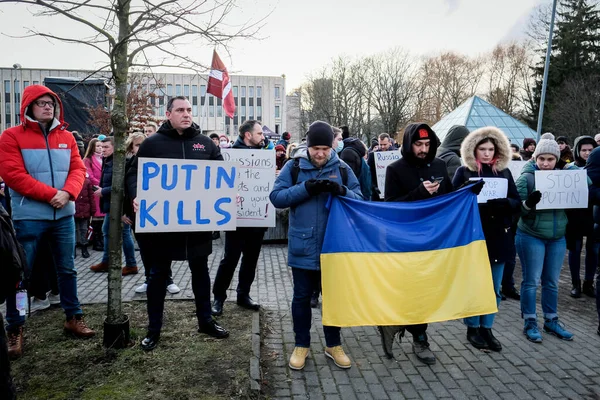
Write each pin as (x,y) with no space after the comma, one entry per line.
(58,192)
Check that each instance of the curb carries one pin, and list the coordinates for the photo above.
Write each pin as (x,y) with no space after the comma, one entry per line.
(255,359)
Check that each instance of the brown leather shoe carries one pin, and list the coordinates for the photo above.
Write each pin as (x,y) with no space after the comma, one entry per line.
(77,327)
(101,267)
(129,270)
(15,343)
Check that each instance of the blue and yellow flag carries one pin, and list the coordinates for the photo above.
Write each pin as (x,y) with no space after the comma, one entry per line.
(405,263)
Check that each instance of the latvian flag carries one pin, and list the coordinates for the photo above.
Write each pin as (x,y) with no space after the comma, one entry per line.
(219,85)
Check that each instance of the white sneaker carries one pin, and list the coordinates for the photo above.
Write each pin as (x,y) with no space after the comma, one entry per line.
(37,304)
(173,288)
(142,288)
(54,299)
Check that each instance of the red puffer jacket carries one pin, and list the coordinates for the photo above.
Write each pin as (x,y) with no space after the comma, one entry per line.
(85,205)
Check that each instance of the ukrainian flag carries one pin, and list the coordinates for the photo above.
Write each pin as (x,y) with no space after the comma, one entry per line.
(405,263)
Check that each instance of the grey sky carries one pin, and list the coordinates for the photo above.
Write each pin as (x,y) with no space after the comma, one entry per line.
(302,36)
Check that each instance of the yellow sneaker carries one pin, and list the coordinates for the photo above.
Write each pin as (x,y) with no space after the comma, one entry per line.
(298,358)
(338,356)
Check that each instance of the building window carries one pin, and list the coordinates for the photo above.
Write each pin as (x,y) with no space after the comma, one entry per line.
(17,102)
(195,100)
(177,90)
(169,91)
(277,128)
(161,105)
(250,112)
(211,106)
(25,84)
(258,92)
(219,108)
(36,82)
(277,112)
(251,92)
(227,121)
(7,103)
(259,113)
(243,94)
(186,91)
(242,114)
(277,93)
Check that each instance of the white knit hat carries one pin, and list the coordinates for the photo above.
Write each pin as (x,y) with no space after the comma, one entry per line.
(547,145)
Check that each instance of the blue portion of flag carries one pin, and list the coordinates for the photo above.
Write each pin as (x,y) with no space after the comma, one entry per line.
(371,227)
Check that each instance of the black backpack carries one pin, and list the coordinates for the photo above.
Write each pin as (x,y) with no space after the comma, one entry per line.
(12,257)
(296,172)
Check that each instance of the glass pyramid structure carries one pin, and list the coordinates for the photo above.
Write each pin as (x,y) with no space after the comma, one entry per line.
(477,113)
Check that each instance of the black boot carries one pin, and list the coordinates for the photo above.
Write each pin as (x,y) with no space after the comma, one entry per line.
(213,329)
(245,301)
(588,289)
(421,349)
(150,341)
(488,337)
(474,337)
(84,252)
(511,293)
(217,307)
(576,291)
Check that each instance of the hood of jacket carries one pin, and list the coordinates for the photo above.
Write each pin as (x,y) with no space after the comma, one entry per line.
(167,129)
(503,150)
(33,92)
(453,140)
(300,152)
(414,132)
(239,144)
(580,141)
(355,144)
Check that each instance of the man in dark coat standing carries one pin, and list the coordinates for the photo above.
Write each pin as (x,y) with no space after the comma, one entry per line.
(418,175)
(177,138)
(246,241)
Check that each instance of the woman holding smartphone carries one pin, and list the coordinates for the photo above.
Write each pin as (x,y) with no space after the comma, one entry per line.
(486,153)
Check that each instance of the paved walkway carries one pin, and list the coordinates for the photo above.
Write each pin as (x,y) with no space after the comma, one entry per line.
(523,370)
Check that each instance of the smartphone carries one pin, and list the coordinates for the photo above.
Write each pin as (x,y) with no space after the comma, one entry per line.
(439,179)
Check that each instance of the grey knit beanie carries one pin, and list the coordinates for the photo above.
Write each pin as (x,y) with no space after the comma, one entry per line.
(547,145)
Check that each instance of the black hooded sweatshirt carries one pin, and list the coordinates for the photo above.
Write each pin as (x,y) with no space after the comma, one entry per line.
(168,143)
(404,178)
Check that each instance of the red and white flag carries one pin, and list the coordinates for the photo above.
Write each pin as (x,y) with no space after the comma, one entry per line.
(219,85)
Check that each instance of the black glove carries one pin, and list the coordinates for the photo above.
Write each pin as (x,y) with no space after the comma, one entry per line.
(533,199)
(313,187)
(476,188)
(334,188)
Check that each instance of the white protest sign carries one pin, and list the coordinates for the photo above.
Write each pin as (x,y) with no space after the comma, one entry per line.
(516,167)
(494,188)
(255,179)
(382,160)
(185,195)
(562,189)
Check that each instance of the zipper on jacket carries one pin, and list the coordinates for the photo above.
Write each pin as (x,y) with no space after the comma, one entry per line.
(50,160)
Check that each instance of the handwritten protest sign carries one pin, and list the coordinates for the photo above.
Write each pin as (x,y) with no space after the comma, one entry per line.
(494,188)
(562,189)
(382,160)
(186,195)
(515,168)
(255,179)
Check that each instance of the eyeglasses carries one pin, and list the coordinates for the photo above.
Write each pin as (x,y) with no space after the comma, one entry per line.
(43,103)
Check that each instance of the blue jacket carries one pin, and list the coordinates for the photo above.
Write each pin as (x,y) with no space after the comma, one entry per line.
(309,214)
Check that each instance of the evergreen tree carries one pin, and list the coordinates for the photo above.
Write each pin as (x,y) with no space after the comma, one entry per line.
(575,57)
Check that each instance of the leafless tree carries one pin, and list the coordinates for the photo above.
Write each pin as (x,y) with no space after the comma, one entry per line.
(124,32)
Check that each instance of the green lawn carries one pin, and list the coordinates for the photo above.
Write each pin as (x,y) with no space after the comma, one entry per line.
(185,365)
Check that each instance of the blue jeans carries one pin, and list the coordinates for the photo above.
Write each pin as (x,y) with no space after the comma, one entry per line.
(487,321)
(591,259)
(541,260)
(61,234)
(305,281)
(128,247)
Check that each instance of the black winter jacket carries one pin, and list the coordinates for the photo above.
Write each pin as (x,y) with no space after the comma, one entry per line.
(404,177)
(167,143)
(106,183)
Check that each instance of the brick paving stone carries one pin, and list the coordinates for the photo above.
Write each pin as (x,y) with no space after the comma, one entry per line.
(552,369)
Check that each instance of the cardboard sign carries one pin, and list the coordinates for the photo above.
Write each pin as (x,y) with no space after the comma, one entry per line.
(255,179)
(382,160)
(185,195)
(515,168)
(494,188)
(562,189)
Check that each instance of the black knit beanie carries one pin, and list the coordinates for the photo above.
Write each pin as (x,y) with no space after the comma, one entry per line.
(319,134)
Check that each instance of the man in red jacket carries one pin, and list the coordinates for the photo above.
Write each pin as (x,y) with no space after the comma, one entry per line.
(43,169)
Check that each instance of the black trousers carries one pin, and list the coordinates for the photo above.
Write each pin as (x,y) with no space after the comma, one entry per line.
(416,330)
(160,270)
(7,389)
(238,242)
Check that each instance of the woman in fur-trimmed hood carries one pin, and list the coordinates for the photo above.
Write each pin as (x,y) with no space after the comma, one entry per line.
(486,153)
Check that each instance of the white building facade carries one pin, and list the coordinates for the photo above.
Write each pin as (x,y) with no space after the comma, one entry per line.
(256,97)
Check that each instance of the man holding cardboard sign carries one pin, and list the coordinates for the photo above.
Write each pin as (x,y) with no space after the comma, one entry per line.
(179,139)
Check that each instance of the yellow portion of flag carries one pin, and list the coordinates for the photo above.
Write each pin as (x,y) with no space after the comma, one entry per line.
(407,288)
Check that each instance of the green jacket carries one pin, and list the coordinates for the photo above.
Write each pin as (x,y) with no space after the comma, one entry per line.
(543,224)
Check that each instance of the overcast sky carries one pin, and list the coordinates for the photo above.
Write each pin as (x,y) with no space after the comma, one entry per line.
(300,36)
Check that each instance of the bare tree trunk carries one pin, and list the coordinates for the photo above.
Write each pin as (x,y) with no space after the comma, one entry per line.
(119,122)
